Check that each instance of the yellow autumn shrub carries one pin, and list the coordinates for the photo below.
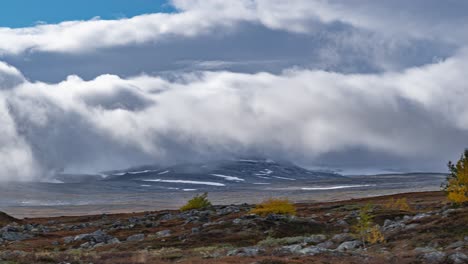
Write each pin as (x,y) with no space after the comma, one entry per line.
(398,204)
(456,186)
(275,206)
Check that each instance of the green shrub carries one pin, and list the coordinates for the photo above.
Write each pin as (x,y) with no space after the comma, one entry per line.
(197,202)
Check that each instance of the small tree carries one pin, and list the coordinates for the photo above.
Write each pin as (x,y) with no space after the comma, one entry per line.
(197,202)
(456,186)
(366,230)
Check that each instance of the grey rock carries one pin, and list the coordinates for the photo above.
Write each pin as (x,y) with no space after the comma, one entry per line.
(12,255)
(246,252)
(99,236)
(349,245)
(424,249)
(195,230)
(227,210)
(113,241)
(448,212)
(277,217)
(390,225)
(342,223)
(28,227)
(167,217)
(411,226)
(315,239)
(163,233)
(80,237)
(10,228)
(339,238)
(311,251)
(458,258)
(420,216)
(96,237)
(457,244)
(294,249)
(434,257)
(136,237)
(466,239)
(86,245)
(99,245)
(68,240)
(15,236)
(326,245)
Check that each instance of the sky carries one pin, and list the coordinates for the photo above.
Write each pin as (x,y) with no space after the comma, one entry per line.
(359,85)
(26,13)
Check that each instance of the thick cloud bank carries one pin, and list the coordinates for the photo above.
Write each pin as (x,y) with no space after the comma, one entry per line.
(325,83)
(418,114)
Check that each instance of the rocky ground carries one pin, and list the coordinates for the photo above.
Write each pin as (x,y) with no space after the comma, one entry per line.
(432,232)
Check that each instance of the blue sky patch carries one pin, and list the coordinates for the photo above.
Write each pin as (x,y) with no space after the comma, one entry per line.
(25,13)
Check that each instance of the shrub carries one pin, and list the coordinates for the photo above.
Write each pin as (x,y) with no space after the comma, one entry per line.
(375,236)
(197,202)
(398,204)
(456,186)
(365,228)
(275,206)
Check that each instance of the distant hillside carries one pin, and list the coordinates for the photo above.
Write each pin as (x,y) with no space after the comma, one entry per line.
(222,173)
(5,219)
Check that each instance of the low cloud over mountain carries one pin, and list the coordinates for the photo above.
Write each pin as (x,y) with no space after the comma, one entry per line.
(330,97)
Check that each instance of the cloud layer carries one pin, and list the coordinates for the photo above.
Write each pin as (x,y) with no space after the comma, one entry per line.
(326,83)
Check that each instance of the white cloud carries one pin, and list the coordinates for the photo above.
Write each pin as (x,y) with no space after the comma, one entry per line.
(198,17)
(414,113)
(76,124)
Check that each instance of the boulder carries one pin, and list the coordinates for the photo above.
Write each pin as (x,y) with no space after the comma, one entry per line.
(246,252)
(311,251)
(315,239)
(195,230)
(163,233)
(420,216)
(136,237)
(457,244)
(98,236)
(68,240)
(15,236)
(458,258)
(340,238)
(434,257)
(327,244)
(349,245)
(294,249)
